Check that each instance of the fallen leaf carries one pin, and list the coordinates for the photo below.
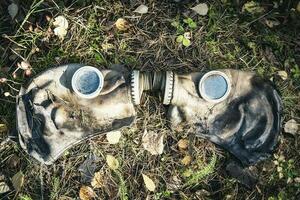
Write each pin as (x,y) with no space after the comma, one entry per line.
(86,193)
(271,23)
(61,21)
(142,9)
(60,32)
(97,181)
(186,160)
(24,65)
(153,142)
(183,144)
(18,181)
(150,185)
(3,128)
(61,24)
(112,162)
(113,137)
(201,9)
(252,7)
(291,127)
(298,7)
(4,188)
(283,75)
(122,24)
(13,161)
(13,10)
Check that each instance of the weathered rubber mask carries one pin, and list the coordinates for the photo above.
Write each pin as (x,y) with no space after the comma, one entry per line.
(234,109)
(53,115)
(63,106)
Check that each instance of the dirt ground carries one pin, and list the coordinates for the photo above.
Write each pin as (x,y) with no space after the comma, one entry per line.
(259,36)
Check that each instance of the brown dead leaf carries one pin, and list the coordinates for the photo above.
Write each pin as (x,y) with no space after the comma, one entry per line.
(186,160)
(183,144)
(291,127)
(86,193)
(122,24)
(18,180)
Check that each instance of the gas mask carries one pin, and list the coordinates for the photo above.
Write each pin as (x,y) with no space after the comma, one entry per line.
(236,110)
(62,106)
(52,115)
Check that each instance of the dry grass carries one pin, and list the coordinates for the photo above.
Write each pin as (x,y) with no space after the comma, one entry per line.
(226,38)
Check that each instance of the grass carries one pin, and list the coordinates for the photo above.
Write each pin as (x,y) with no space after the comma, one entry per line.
(226,38)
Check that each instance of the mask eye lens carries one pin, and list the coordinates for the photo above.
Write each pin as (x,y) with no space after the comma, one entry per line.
(87,82)
(214,86)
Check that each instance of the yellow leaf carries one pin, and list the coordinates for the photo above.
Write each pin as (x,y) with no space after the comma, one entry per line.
(86,193)
(113,137)
(3,128)
(150,185)
(18,180)
(97,181)
(183,144)
(283,75)
(298,7)
(186,160)
(112,162)
(122,24)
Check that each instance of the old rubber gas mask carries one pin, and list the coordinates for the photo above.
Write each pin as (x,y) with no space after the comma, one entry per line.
(68,104)
(65,105)
(236,110)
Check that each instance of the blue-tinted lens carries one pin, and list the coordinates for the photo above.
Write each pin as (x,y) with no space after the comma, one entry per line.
(215,86)
(88,82)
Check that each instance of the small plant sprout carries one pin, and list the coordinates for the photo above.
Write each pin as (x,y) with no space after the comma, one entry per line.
(190,22)
(184,39)
(183,36)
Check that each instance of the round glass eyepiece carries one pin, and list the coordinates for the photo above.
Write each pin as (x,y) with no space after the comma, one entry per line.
(87,82)
(214,86)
